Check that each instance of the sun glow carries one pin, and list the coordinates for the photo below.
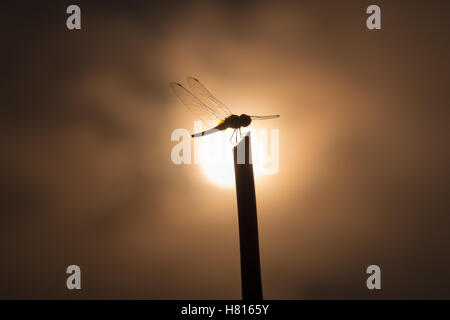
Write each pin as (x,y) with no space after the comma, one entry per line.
(216,157)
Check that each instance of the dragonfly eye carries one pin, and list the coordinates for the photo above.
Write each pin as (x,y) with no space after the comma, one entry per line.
(245,120)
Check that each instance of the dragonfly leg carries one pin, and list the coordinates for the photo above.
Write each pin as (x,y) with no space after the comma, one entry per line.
(231,138)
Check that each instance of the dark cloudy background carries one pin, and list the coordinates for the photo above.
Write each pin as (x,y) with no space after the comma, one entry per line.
(86,176)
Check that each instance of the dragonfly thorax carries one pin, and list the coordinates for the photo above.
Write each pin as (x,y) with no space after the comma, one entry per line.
(236,122)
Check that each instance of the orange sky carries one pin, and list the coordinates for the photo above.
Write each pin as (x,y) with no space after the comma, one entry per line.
(86,171)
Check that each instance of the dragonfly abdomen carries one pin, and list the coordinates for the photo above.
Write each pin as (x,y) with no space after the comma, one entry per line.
(223,125)
(233,121)
(218,128)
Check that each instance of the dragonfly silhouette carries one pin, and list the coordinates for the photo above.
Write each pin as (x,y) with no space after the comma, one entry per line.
(208,108)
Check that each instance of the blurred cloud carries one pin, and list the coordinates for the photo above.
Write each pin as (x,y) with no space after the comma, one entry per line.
(86,171)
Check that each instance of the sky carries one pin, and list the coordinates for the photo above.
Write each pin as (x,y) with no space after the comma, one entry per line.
(87,178)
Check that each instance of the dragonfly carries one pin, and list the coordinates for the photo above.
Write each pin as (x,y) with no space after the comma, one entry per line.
(208,108)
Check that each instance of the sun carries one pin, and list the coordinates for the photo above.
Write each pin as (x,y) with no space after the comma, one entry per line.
(216,158)
(221,174)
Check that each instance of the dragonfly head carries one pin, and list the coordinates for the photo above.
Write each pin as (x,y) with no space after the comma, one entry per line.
(245,120)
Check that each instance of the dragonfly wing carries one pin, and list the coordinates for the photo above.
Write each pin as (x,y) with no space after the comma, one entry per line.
(198,108)
(264,117)
(207,98)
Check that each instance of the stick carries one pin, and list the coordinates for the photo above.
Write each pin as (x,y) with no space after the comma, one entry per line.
(248,223)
